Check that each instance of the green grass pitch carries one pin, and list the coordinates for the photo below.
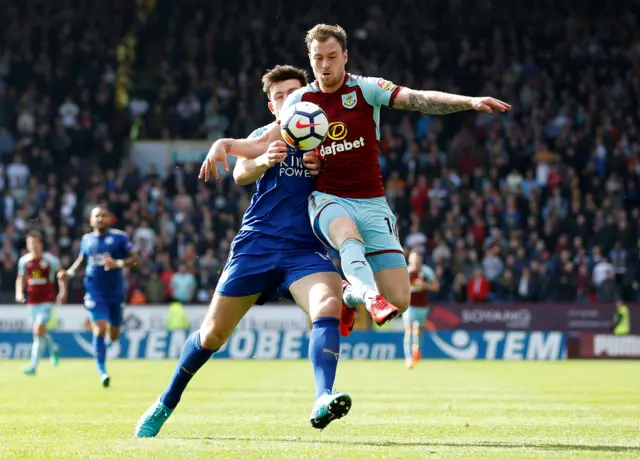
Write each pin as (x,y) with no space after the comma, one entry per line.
(246,409)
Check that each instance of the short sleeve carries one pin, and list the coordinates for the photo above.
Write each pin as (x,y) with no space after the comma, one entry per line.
(292,99)
(126,244)
(54,263)
(378,91)
(428,273)
(22,262)
(83,247)
(258,132)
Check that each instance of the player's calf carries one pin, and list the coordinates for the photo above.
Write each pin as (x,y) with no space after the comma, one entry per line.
(400,301)
(318,294)
(114,333)
(394,285)
(221,319)
(100,350)
(193,357)
(37,348)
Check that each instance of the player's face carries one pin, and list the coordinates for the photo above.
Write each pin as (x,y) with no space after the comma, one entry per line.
(34,245)
(99,219)
(415,259)
(279,93)
(328,61)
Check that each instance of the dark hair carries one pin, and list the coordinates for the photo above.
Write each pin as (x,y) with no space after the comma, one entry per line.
(35,234)
(322,32)
(283,73)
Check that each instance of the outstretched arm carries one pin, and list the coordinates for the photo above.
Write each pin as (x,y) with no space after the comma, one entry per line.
(242,148)
(442,103)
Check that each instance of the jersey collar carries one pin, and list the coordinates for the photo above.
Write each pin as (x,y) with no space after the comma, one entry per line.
(344,82)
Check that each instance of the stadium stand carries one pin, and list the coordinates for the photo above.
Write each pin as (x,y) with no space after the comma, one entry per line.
(541,204)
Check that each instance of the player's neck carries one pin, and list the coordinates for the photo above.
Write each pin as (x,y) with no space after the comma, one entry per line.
(100,232)
(36,255)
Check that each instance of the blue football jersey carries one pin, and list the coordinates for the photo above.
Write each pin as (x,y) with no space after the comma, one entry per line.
(278,210)
(94,248)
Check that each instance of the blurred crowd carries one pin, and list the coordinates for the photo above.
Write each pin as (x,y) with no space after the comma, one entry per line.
(539,204)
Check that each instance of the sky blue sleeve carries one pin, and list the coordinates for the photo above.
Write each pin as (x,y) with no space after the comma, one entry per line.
(428,273)
(292,99)
(21,265)
(377,91)
(258,132)
(54,263)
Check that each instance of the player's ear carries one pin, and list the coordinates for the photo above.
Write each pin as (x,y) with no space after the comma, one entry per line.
(346,56)
(272,109)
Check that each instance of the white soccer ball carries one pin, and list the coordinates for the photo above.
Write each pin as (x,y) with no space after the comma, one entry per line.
(304,126)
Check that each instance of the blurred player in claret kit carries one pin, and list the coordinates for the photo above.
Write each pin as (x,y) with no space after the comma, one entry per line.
(107,251)
(423,280)
(274,251)
(348,208)
(37,272)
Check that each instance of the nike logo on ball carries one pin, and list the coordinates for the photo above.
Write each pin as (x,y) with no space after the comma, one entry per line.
(301,125)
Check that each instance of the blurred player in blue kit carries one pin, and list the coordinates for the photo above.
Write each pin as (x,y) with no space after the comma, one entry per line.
(107,251)
(275,250)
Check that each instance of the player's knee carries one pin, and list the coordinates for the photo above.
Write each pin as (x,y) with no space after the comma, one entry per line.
(343,228)
(114,333)
(211,337)
(100,329)
(328,306)
(39,330)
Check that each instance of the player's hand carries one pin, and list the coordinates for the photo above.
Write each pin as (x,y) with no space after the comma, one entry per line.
(420,283)
(217,154)
(274,155)
(109,264)
(487,104)
(313,162)
(20,298)
(61,299)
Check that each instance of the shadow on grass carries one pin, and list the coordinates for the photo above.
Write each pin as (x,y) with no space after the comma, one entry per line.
(426,443)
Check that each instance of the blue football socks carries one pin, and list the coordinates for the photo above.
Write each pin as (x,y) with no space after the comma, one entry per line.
(193,357)
(324,351)
(100,353)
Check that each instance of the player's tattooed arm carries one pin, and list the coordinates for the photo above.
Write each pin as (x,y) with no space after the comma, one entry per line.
(431,102)
(442,103)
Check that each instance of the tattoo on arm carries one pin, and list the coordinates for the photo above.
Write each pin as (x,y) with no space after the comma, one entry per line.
(427,104)
(227,147)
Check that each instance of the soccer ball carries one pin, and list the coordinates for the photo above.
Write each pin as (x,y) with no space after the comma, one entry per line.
(304,126)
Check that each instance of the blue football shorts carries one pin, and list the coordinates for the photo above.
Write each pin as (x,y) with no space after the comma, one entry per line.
(110,309)
(251,270)
(374,219)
